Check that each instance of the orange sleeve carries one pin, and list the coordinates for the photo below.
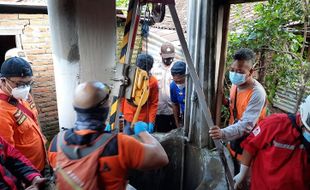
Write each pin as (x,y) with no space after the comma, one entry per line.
(131,152)
(153,99)
(6,129)
(122,102)
(52,152)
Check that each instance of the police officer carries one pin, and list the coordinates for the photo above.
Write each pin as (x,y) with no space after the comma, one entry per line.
(162,71)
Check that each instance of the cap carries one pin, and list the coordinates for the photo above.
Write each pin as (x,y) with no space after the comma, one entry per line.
(16,52)
(16,67)
(178,68)
(145,61)
(167,50)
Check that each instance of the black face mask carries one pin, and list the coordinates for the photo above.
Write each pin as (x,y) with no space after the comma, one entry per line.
(167,61)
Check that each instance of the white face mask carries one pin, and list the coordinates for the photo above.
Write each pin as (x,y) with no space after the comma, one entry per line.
(181,86)
(21,92)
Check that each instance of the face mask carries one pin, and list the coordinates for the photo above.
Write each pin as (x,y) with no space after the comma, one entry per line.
(306,134)
(167,61)
(181,86)
(21,92)
(237,78)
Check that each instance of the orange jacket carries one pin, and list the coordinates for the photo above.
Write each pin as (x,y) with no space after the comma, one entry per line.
(120,154)
(22,132)
(148,110)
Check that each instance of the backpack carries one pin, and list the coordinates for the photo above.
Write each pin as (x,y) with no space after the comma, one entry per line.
(306,144)
(77,165)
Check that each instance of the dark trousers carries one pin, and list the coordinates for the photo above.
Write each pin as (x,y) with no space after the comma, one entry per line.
(164,123)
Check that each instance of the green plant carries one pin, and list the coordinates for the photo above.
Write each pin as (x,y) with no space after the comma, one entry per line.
(122,3)
(282,57)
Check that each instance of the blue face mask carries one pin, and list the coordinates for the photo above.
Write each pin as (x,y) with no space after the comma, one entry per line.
(237,78)
(306,134)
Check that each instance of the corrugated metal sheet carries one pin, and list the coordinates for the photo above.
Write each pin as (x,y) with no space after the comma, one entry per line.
(286,98)
(154,43)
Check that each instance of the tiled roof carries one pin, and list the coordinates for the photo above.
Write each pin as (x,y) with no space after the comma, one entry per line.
(181,7)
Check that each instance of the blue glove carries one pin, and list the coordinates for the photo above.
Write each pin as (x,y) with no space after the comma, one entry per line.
(140,127)
(107,128)
(151,127)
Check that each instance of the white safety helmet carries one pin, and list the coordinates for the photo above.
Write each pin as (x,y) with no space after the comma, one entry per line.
(305,112)
(16,52)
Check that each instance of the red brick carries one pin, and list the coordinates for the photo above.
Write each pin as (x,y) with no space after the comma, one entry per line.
(8,16)
(51,108)
(30,16)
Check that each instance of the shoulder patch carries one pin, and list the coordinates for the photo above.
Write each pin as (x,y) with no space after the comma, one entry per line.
(32,105)
(20,117)
(256,131)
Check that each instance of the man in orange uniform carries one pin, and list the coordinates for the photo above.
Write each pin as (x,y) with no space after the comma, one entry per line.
(247,103)
(149,109)
(112,154)
(18,114)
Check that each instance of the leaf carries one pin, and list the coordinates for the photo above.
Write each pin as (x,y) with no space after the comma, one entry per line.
(252,36)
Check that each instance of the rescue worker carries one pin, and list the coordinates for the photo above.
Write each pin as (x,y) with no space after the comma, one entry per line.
(165,121)
(112,154)
(16,52)
(247,104)
(149,109)
(18,113)
(177,91)
(16,168)
(278,152)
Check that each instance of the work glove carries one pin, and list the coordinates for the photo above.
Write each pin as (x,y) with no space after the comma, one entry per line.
(107,128)
(150,127)
(37,183)
(241,175)
(140,127)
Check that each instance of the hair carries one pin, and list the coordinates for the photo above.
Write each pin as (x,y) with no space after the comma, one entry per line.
(145,61)
(245,54)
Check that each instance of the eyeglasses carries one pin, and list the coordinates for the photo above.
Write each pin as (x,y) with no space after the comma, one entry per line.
(21,84)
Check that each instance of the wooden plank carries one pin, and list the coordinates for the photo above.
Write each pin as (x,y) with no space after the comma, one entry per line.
(244,1)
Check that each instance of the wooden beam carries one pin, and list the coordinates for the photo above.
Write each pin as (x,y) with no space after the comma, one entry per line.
(221,76)
(244,1)
(23,8)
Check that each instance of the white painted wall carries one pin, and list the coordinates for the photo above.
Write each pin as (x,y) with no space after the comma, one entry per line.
(84,45)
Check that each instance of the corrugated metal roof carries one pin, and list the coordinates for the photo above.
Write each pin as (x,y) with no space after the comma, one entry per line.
(155,41)
(286,98)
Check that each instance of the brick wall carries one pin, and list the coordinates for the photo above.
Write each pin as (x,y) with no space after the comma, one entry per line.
(35,40)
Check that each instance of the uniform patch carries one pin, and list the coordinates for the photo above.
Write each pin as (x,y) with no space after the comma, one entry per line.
(32,105)
(256,131)
(20,117)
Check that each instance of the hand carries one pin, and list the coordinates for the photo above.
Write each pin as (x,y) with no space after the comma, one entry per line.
(216,133)
(150,128)
(37,182)
(140,127)
(241,175)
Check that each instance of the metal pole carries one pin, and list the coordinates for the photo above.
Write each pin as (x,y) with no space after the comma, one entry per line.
(201,96)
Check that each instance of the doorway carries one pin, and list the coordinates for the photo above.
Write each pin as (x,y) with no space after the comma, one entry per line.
(6,42)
